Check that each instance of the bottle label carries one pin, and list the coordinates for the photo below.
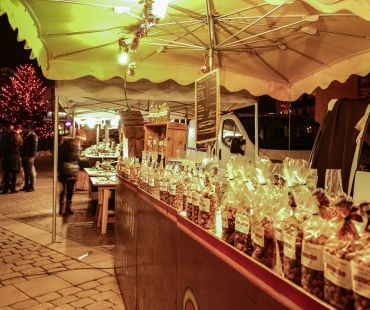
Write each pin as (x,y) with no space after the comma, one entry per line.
(163,186)
(242,223)
(289,245)
(151,182)
(172,190)
(337,270)
(361,279)
(205,205)
(258,235)
(196,199)
(312,256)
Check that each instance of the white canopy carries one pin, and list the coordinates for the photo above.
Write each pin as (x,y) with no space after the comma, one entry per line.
(282,48)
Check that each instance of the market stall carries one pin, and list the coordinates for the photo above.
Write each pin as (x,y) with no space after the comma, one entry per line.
(281,48)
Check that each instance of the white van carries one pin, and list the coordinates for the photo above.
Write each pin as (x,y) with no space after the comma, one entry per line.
(236,132)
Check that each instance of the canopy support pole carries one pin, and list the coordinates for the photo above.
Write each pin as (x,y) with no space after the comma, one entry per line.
(211,31)
(256,131)
(55,169)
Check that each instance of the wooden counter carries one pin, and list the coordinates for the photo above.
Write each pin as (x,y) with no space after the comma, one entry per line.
(164,261)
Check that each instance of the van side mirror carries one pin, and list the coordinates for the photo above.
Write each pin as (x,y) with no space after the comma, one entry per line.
(237,146)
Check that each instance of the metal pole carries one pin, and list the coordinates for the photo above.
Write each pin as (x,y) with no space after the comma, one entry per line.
(97,134)
(55,169)
(211,31)
(256,131)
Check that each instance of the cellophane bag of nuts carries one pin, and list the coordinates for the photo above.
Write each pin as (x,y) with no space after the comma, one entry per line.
(316,233)
(176,190)
(265,246)
(293,234)
(154,177)
(195,200)
(164,195)
(282,212)
(340,249)
(188,204)
(326,208)
(360,267)
(228,212)
(207,209)
(243,236)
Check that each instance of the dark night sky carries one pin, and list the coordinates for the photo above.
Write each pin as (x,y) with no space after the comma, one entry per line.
(12,51)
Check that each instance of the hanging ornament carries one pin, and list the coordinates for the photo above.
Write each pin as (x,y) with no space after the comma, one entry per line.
(131,68)
(205,68)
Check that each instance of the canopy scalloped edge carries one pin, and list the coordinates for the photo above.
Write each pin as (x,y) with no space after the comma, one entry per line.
(360,8)
(21,18)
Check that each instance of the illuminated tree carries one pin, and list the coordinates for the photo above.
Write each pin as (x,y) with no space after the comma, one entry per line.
(22,101)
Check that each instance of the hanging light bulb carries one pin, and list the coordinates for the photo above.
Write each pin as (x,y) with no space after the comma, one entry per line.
(160,8)
(123,57)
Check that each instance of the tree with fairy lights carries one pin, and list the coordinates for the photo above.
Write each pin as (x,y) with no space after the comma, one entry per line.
(22,101)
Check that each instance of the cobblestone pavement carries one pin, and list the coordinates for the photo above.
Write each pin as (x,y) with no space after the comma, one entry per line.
(76,272)
(33,276)
(35,209)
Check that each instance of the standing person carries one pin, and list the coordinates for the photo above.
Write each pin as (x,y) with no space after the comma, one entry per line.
(28,154)
(12,159)
(68,155)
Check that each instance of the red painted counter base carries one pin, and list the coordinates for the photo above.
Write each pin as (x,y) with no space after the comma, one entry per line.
(163,260)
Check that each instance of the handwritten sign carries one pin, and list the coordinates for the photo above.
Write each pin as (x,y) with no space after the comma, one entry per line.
(207,106)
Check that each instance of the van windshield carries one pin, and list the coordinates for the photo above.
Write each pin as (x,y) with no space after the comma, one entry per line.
(273,132)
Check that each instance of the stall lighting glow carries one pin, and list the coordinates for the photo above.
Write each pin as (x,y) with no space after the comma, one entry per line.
(68,124)
(91,122)
(160,8)
(123,57)
(121,9)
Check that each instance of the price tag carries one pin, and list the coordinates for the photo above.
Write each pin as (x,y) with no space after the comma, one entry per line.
(205,204)
(242,223)
(312,255)
(151,182)
(196,199)
(172,190)
(258,235)
(337,271)
(289,245)
(163,186)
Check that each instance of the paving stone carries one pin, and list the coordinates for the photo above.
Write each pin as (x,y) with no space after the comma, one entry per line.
(42,286)
(33,271)
(25,304)
(42,262)
(13,258)
(34,277)
(5,268)
(24,262)
(70,291)
(77,277)
(87,293)
(104,296)
(6,308)
(109,279)
(42,306)
(56,270)
(10,275)
(10,295)
(64,300)
(108,287)
(22,267)
(88,285)
(82,302)
(69,262)
(64,307)
(99,305)
(52,266)
(48,297)
(13,281)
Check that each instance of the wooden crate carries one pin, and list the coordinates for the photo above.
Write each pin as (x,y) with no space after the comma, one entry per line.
(175,137)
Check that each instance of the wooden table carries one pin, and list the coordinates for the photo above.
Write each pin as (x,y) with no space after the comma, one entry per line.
(99,172)
(104,185)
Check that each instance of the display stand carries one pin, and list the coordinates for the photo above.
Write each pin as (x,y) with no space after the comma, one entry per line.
(168,139)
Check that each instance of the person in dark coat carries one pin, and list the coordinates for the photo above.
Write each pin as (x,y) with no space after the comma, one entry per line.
(68,155)
(12,159)
(28,153)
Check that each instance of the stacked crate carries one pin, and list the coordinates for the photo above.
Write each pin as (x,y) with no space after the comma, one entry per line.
(132,129)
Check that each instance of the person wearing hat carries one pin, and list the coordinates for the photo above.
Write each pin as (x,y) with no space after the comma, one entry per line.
(28,153)
(12,158)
